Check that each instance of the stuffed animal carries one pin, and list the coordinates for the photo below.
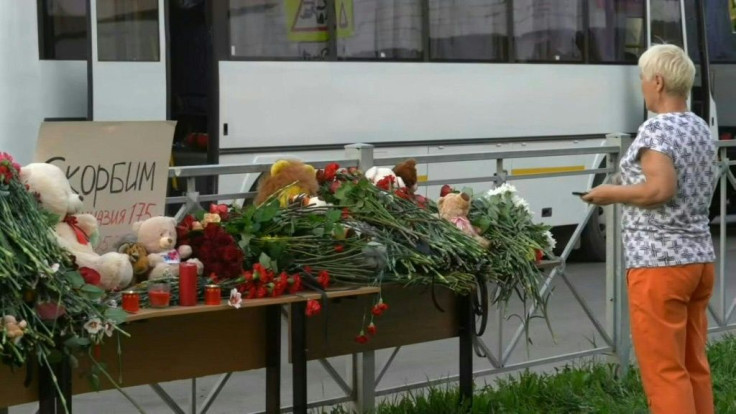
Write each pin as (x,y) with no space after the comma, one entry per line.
(77,233)
(407,171)
(454,207)
(158,237)
(285,173)
(384,178)
(138,259)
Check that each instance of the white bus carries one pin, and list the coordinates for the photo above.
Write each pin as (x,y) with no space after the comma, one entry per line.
(256,80)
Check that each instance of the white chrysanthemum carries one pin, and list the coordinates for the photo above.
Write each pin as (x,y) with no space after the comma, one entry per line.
(520,202)
(501,189)
(551,242)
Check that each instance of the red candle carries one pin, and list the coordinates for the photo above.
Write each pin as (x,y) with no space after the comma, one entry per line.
(131,302)
(212,295)
(159,299)
(187,284)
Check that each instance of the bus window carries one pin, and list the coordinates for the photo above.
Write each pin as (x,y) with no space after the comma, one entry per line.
(720,16)
(379,29)
(278,29)
(62,29)
(616,30)
(127,31)
(462,30)
(548,30)
(666,22)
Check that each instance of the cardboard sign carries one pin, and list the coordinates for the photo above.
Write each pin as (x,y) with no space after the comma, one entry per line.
(120,168)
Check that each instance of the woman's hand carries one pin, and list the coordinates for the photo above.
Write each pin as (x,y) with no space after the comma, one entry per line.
(602,195)
(659,186)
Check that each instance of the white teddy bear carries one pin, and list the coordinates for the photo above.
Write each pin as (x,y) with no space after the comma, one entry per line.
(75,232)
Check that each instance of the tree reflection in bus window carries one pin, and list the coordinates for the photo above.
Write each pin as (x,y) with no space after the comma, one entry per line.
(666,22)
(279,29)
(721,26)
(465,30)
(616,30)
(380,29)
(63,29)
(127,30)
(548,30)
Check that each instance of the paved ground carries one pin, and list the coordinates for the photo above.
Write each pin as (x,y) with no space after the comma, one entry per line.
(572,332)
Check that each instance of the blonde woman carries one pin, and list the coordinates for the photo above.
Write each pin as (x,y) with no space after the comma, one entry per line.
(666,190)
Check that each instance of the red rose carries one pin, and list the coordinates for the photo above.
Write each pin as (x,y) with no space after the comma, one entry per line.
(339,248)
(90,276)
(445,190)
(335,186)
(331,171)
(219,209)
(345,213)
(371,329)
(231,253)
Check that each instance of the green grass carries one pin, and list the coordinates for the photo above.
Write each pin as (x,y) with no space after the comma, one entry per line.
(586,388)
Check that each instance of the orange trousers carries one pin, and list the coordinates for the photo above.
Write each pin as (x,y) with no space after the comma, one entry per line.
(669,329)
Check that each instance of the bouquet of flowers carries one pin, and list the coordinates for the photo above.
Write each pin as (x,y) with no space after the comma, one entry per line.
(211,244)
(48,311)
(517,243)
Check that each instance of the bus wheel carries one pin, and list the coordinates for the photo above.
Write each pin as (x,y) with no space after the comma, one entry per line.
(593,238)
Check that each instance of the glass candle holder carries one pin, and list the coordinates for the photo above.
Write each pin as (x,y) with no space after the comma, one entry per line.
(212,295)
(131,301)
(159,295)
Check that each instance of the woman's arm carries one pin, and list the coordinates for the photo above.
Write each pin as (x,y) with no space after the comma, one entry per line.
(659,186)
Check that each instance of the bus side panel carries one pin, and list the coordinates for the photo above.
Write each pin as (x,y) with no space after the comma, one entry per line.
(64,88)
(268,104)
(32,90)
(724,93)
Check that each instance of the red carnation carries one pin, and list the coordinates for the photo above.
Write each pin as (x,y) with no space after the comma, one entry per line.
(371,329)
(361,338)
(345,213)
(324,279)
(296,284)
(339,248)
(313,307)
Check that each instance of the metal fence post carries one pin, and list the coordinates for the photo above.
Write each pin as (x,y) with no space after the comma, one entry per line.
(617,313)
(364,382)
(361,152)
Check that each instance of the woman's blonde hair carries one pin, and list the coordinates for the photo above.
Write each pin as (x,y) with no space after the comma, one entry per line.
(672,64)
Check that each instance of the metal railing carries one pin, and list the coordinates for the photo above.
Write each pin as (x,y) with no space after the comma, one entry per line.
(362,387)
(365,383)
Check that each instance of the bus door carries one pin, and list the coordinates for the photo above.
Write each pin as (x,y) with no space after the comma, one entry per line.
(667,25)
(127,66)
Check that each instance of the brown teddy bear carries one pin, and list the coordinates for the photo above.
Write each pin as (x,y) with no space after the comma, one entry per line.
(285,173)
(407,171)
(138,259)
(454,207)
